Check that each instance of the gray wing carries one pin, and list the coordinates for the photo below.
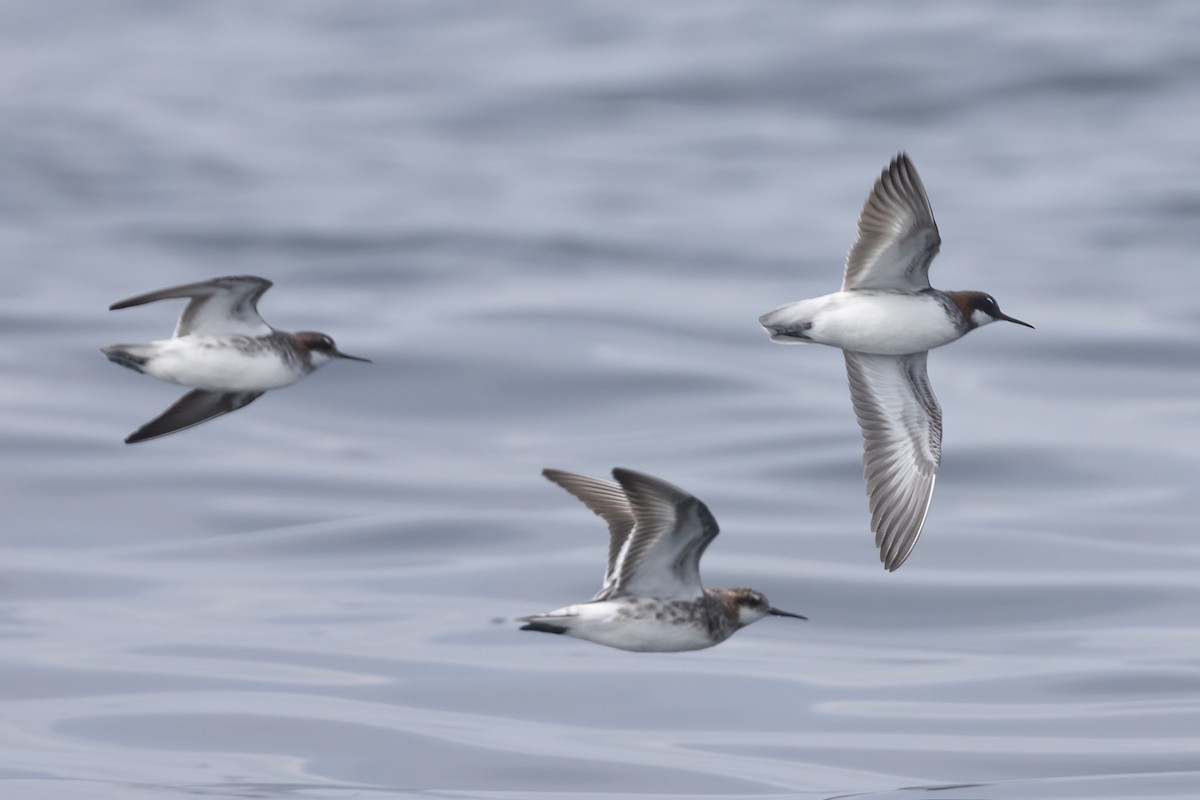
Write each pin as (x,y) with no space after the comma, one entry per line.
(220,307)
(661,556)
(897,237)
(193,408)
(607,500)
(901,424)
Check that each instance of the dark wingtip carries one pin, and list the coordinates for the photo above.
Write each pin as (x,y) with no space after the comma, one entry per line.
(128,302)
(147,432)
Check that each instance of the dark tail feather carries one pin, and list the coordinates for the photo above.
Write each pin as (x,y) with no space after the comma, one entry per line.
(119,355)
(543,627)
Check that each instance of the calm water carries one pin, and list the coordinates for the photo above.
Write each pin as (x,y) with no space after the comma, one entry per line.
(553,226)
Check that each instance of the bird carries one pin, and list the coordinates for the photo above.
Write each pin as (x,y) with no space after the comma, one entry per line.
(221,348)
(652,599)
(886,319)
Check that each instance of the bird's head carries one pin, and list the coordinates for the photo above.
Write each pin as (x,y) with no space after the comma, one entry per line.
(749,605)
(321,349)
(980,308)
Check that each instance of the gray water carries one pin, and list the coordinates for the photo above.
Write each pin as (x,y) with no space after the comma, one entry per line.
(552,226)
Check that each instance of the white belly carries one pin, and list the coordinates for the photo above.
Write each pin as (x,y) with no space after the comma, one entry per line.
(608,623)
(208,363)
(882,323)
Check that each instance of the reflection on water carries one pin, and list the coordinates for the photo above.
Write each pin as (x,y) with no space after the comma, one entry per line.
(553,228)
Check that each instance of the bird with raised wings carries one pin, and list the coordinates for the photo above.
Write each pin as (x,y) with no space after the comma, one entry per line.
(223,349)
(886,319)
(652,599)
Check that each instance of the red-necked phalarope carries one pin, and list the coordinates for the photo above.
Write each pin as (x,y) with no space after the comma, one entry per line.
(886,318)
(652,598)
(222,348)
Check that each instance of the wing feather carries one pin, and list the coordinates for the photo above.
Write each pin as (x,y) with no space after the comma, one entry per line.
(606,500)
(897,235)
(219,307)
(193,408)
(901,424)
(661,557)
(657,533)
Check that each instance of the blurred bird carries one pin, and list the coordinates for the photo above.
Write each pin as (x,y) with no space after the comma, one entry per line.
(222,348)
(652,598)
(886,318)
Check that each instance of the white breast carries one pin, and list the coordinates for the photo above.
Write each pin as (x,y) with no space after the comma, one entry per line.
(609,623)
(212,364)
(883,323)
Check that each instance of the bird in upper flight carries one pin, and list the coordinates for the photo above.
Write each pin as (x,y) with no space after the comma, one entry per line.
(886,319)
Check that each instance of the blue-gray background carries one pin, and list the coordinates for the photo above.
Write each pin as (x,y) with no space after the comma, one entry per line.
(552,226)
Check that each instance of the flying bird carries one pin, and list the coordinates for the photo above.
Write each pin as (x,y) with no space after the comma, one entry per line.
(886,319)
(652,600)
(223,349)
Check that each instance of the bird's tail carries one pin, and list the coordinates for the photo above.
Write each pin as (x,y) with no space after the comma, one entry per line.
(532,624)
(787,324)
(550,622)
(133,356)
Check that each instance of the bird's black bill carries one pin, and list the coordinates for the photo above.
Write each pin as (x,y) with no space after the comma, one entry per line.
(1007,318)
(340,354)
(775,612)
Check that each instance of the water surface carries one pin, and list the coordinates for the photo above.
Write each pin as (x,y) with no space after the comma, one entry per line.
(552,226)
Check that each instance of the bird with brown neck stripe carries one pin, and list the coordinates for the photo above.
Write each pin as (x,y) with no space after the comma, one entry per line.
(886,319)
(652,599)
(223,349)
